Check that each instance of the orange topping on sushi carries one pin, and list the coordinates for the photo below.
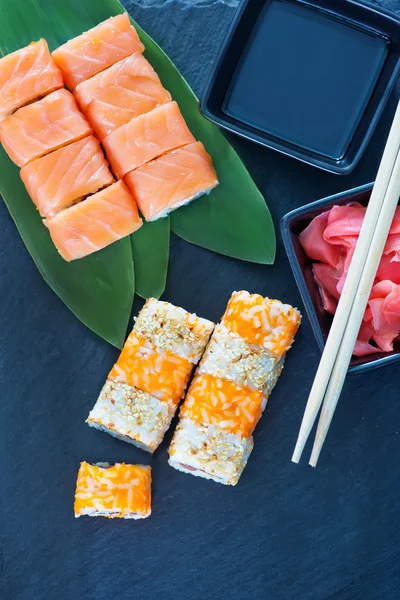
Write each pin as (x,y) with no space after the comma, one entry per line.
(163,375)
(220,402)
(262,321)
(121,490)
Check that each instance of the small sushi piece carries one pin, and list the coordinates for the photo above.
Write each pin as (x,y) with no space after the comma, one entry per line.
(146,137)
(172,180)
(229,392)
(262,321)
(119,491)
(65,176)
(214,401)
(94,223)
(115,96)
(97,49)
(26,75)
(209,452)
(42,127)
(150,377)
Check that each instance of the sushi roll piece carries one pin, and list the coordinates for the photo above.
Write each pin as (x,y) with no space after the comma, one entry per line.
(215,401)
(152,369)
(26,75)
(262,321)
(172,180)
(174,329)
(228,356)
(131,415)
(236,375)
(146,137)
(209,452)
(94,223)
(115,96)
(42,127)
(150,377)
(97,49)
(119,491)
(65,176)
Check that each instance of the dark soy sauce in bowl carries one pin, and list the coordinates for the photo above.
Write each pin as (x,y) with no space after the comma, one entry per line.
(306,77)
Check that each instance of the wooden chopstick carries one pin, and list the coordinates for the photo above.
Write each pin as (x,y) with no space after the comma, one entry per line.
(357,312)
(345,304)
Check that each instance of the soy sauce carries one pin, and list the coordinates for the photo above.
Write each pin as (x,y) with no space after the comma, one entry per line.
(306,77)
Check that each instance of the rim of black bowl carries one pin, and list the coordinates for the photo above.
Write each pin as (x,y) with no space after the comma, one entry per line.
(269,141)
(301,217)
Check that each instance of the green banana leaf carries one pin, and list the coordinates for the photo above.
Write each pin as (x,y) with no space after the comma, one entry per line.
(150,247)
(233,219)
(98,289)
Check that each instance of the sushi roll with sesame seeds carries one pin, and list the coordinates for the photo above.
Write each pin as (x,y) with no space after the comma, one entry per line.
(119,491)
(229,356)
(150,377)
(131,415)
(209,452)
(262,321)
(229,392)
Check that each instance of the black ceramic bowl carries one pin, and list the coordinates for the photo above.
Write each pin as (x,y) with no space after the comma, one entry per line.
(292,224)
(305,101)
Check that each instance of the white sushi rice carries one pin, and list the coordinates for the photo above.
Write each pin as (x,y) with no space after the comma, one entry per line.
(164,213)
(209,452)
(172,328)
(92,512)
(229,356)
(131,415)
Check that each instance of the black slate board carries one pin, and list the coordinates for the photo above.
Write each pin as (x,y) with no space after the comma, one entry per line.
(285,532)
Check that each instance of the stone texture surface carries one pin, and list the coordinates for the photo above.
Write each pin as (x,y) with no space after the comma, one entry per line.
(285,532)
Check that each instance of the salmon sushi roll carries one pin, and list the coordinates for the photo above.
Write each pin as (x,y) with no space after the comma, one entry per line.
(209,452)
(172,180)
(94,223)
(42,127)
(26,75)
(146,137)
(115,96)
(66,176)
(97,49)
(237,373)
(150,377)
(119,491)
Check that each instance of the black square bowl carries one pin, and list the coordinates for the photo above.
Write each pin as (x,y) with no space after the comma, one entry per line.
(242,38)
(292,225)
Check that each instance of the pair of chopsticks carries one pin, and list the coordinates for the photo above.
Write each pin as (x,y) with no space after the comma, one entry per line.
(331,373)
